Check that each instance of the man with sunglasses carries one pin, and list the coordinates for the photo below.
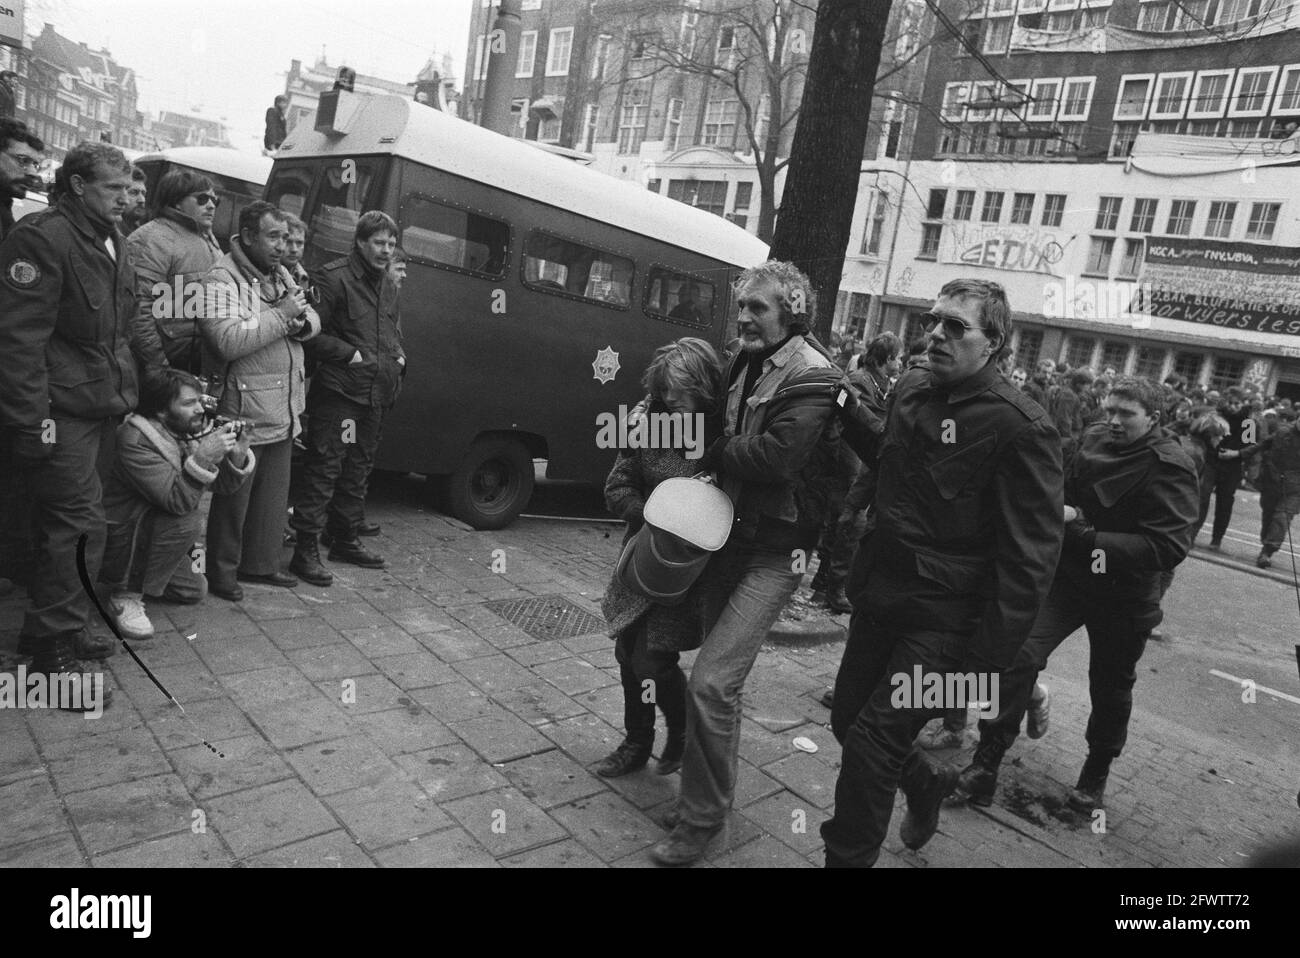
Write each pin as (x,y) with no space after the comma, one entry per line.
(171,254)
(968,523)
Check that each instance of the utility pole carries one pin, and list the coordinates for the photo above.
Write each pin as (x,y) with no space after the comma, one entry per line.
(501,48)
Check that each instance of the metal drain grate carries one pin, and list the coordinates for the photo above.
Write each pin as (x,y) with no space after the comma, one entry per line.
(547,617)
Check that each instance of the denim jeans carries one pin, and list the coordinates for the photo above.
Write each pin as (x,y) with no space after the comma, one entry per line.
(879,756)
(637,663)
(1115,645)
(753,584)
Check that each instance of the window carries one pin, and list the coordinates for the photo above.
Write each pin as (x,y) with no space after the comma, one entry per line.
(1078,353)
(676,296)
(1150,363)
(726,52)
(1188,365)
(1252,92)
(744,196)
(557,52)
(930,233)
(875,226)
(653,185)
(673,125)
(1022,208)
(955,96)
(1130,263)
(934,209)
(532,5)
(709,195)
(1099,254)
(1144,216)
(1209,94)
(1288,92)
(1053,209)
(631,127)
(1263,220)
(1108,212)
(1219,223)
(600,61)
(894,129)
(720,122)
(1115,355)
(527,53)
(1029,344)
(1227,372)
(1122,138)
(1077,98)
(1134,92)
(1171,96)
(1045,94)
(963,205)
(590,123)
(560,265)
(445,236)
(992,212)
(1180,217)
(997,33)
(339,203)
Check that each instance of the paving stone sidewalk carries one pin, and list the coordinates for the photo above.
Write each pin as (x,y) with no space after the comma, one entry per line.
(395,719)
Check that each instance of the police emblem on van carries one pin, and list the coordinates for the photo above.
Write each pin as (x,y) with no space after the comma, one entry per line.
(605,365)
(23,273)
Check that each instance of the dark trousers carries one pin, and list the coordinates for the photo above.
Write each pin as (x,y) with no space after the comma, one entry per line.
(638,664)
(341,439)
(879,756)
(246,527)
(68,498)
(1115,644)
(1277,510)
(152,552)
(849,527)
(17,528)
(1227,477)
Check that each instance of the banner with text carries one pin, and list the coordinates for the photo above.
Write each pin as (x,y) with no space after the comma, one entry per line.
(11,22)
(1246,286)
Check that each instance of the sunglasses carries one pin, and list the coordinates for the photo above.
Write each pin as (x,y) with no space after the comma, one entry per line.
(953,328)
(204,199)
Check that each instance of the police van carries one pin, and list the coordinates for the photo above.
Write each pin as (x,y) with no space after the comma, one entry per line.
(537,290)
(238,179)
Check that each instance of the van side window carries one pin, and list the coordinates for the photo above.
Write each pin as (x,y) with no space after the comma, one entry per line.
(441,234)
(342,197)
(676,296)
(561,265)
(288,189)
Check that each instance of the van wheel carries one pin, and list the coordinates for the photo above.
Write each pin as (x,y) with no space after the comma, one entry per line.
(492,484)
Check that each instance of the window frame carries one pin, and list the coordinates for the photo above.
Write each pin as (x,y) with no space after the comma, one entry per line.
(1033,113)
(461,208)
(1150,80)
(1130,243)
(984,207)
(1231,207)
(1272,224)
(677,320)
(1016,205)
(1291,69)
(1154,113)
(969,208)
(555,71)
(1214,113)
(926,229)
(1191,219)
(1105,207)
(1101,270)
(1049,206)
(532,57)
(1240,79)
(1087,103)
(1151,221)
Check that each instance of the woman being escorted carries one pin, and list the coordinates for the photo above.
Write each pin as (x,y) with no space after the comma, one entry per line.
(683,377)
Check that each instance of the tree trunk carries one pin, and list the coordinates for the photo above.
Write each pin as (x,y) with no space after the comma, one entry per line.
(821,184)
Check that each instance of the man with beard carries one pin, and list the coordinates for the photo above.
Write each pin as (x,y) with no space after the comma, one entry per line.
(20,156)
(136,214)
(1130,514)
(67,293)
(164,463)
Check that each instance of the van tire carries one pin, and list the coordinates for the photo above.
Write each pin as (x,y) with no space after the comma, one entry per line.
(492,485)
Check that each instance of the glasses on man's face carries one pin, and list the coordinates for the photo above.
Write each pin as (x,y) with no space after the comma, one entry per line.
(953,327)
(26,162)
(203,199)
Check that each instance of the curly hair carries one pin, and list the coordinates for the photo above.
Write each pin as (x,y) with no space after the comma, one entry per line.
(1141,391)
(690,365)
(795,293)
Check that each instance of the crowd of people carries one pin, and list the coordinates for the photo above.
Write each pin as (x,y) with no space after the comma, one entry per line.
(145,369)
(968,516)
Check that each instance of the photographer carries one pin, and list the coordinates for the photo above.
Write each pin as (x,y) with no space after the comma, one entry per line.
(255,318)
(164,463)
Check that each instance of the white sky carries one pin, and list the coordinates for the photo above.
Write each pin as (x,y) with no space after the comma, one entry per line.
(228,58)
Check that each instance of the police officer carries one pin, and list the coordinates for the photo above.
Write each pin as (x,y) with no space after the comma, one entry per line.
(360,363)
(967,532)
(1131,514)
(67,291)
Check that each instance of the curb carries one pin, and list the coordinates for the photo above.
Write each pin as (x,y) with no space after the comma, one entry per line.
(809,632)
(1240,565)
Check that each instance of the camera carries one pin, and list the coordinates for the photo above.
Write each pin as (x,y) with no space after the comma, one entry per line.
(219,422)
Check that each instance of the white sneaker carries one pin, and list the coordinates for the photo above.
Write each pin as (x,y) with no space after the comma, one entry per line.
(935,736)
(1040,706)
(131,619)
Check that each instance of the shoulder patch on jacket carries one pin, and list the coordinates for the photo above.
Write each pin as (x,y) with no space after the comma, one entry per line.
(336,263)
(1028,408)
(22,273)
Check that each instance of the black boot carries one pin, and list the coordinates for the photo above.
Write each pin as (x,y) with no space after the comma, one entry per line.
(306,564)
(357,554)
(87,646)
(670,760)
(1090,793)
(923,801)
(628,757)
(56,658)
(978,780)
(837,601)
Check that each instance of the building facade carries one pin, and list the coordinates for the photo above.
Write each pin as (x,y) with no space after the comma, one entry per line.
(1128,170)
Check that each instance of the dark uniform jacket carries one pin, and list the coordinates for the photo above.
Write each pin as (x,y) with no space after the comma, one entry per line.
(1140,507)
(1281,462)
(65,314)
(967,531)
(358,311)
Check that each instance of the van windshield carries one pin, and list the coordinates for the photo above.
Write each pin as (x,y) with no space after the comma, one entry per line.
(329,195)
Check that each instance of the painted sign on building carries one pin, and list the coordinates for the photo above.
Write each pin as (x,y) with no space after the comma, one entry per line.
(1024,249)
(1246,286)
(11,22)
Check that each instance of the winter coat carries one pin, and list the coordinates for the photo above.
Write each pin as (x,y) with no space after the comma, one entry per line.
(1281,461)
(65,320)
(676,628)
(255,362)
(171,256)
(153,469)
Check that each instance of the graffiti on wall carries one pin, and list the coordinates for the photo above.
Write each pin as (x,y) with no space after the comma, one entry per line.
(1024,249)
